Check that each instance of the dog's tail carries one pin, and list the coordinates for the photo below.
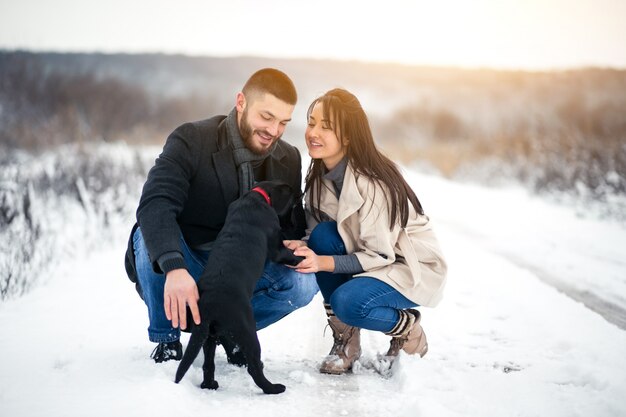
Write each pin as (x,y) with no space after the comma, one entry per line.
(199,335)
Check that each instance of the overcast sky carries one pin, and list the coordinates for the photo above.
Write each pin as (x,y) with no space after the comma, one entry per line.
(529,34)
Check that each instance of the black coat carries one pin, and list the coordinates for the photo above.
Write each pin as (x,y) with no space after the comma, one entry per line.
(191,185)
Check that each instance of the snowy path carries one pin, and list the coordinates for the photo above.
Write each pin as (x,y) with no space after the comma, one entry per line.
(580,256)
(502,343)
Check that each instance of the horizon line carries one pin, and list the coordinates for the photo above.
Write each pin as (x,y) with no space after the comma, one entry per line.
(546,69)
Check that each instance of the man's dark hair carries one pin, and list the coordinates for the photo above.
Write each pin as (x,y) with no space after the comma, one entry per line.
(274,82)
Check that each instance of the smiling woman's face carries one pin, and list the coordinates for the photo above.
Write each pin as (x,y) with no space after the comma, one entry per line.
(321,139)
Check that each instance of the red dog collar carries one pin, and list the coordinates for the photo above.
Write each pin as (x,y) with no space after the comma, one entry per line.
(263,193)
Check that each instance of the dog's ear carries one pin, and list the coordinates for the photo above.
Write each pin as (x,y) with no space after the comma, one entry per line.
(281,195)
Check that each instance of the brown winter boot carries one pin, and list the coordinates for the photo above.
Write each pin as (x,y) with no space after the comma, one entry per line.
(408,335)
(346,348)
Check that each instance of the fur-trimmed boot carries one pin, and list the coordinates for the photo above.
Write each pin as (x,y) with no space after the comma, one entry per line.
(408,335)
(346,347)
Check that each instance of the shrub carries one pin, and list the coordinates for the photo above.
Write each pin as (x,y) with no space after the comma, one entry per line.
(63,202)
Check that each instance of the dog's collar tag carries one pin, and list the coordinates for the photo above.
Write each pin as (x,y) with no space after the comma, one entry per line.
(263,193)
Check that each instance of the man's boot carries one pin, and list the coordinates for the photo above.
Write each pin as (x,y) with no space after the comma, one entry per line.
(408,335)
(166,351)
(346,347)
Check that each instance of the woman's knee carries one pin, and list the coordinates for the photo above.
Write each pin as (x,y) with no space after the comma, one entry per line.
(325,240)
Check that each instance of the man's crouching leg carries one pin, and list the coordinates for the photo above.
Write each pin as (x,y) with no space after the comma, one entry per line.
(280,291)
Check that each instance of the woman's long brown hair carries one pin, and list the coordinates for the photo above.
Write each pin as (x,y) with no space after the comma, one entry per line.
(350,122)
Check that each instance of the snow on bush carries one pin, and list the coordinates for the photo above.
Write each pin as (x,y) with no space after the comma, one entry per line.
(63,203)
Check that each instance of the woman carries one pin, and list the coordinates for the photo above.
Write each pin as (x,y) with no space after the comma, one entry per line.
(371,246)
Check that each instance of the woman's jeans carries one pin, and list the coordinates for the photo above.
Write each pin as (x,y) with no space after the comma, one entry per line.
(361,301)
(279,291)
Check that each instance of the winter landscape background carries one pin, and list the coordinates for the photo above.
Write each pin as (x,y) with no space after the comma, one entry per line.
(523,174)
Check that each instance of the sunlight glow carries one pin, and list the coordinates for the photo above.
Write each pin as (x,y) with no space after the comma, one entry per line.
(478,33)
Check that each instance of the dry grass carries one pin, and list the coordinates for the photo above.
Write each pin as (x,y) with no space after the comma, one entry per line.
(555,131)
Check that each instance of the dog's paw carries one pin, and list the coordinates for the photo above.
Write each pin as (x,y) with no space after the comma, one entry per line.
(286,256)
(274,389)
(209,385)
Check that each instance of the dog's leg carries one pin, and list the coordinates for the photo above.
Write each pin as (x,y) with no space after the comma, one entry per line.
(234,355)
(198,335)
(277,252)
(245,335)
(209,364)
(255,367)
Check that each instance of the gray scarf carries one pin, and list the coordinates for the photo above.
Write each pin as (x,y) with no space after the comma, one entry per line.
(244,157)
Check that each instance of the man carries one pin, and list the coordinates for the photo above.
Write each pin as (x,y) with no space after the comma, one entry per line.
(204,167)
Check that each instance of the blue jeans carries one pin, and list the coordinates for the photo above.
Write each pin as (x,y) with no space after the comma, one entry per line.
(279,291)
(362,301)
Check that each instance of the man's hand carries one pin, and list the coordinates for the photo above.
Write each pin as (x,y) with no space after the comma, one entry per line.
(180,291)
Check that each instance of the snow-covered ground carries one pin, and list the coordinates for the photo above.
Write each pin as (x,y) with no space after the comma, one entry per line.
(503,342)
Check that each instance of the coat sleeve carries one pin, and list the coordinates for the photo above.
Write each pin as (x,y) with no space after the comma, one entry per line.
(375,241)
(165,193)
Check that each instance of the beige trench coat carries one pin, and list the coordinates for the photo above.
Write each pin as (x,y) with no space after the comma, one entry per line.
(409,259)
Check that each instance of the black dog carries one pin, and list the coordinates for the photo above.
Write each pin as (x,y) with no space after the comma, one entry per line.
(250,235)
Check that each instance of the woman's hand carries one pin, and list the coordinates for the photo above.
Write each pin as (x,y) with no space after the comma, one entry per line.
(313,262)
